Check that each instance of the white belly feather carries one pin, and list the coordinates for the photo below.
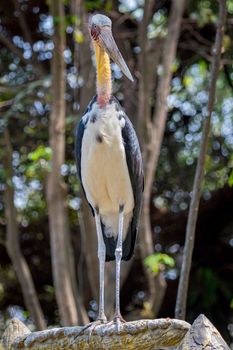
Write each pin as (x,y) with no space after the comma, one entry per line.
(104,170)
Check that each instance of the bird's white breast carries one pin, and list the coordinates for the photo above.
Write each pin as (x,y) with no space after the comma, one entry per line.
(104,168)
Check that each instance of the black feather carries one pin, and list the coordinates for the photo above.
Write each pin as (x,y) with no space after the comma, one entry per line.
(110,244)
(135,168)
(78,143)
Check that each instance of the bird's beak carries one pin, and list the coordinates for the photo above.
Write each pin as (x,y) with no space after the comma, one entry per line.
(109,45)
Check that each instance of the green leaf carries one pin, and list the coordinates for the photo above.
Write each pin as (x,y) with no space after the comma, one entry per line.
(158,260)
(41,152)
(187,80)
(74,19)
(108,6)
(26,314)
(78,36)
(167,260)
(93,5)
(230,180)
(56,20)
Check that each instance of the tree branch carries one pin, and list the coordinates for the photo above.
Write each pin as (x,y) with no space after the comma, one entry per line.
(6,103)
(138,335)
(155,132)
(14,49)
(180,309)
(200,50)
(2,242)
(8,43)
(161,107)
(148,63)
(26,31)
(203,335)
(12,242)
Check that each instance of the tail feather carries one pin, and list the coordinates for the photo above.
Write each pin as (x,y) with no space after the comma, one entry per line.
(110,244)
(128,244)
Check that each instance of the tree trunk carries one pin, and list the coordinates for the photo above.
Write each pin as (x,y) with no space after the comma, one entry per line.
(83,56)
(90,247)
(62,260)
(13,246)
(161,107)
(154,136)
(180,310)
(83,64)
(146,76)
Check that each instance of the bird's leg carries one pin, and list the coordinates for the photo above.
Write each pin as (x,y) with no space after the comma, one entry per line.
(118,254)
(101,256)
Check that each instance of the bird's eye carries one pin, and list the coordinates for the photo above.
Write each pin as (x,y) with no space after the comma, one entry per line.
(95,31)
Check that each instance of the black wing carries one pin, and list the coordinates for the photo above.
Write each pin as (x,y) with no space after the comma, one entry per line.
(78,146)
(135,167)
(78,142)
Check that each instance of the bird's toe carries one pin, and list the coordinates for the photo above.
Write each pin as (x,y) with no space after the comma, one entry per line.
(90,327)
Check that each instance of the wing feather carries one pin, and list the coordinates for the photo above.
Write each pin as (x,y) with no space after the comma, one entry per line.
(78,143)
(135,167)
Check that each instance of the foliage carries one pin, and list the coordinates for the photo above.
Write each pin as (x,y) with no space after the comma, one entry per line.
(158,262)
(39,162)
(230,180)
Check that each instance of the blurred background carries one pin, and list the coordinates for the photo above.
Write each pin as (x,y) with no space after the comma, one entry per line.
(48,252)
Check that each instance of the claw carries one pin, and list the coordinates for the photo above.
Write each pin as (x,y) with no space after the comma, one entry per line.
(91,327)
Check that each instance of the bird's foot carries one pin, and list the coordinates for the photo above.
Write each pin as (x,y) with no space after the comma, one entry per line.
(117,322)
(91,327)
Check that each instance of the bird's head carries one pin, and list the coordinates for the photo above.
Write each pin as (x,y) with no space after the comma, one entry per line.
(101,33)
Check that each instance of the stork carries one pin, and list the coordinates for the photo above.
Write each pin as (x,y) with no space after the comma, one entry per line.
(109,164)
